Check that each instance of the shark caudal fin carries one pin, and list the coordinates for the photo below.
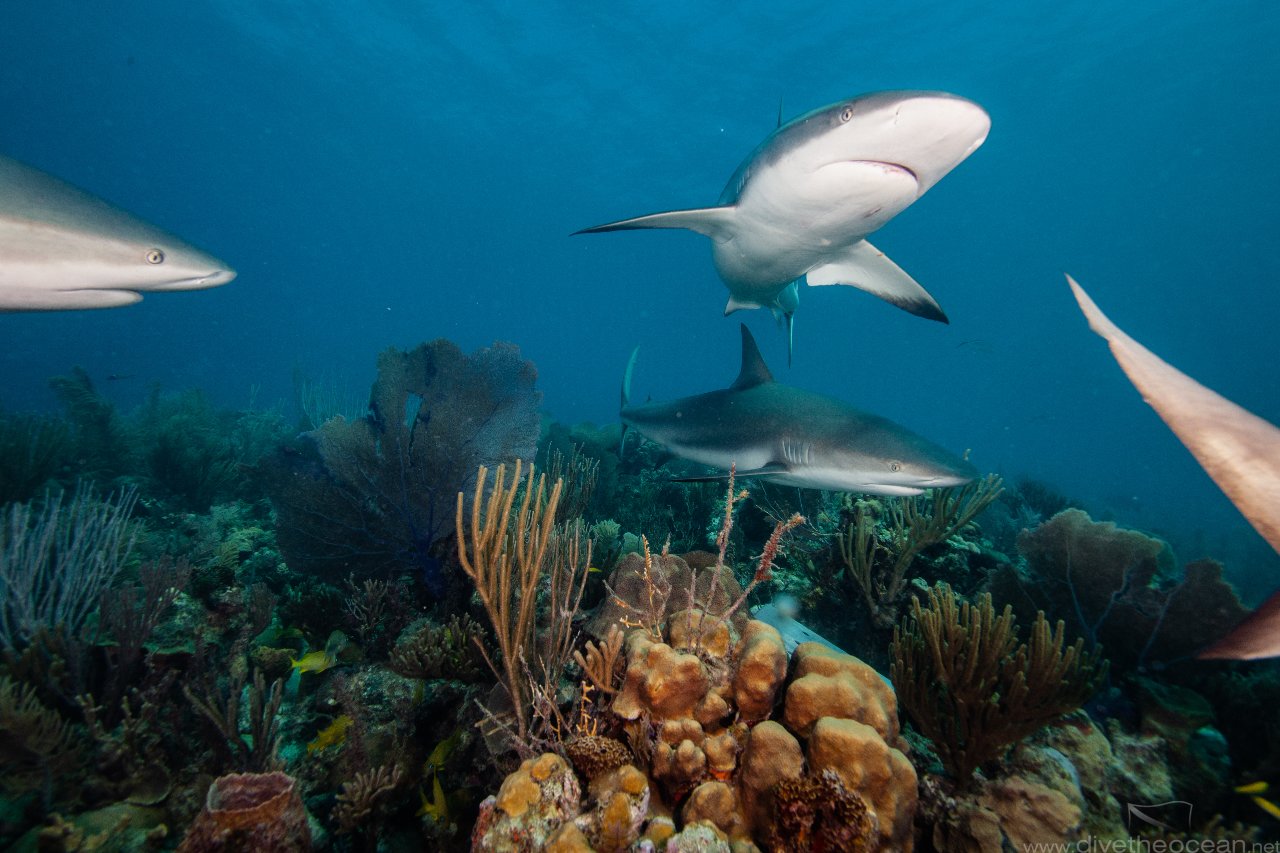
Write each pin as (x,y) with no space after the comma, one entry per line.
(715,222)
(867,268)
(626,395)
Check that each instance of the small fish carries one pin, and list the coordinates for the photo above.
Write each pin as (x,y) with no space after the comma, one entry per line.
(442,751)
(437,808)
(1254,789)
(333,734)
(116,377)
(317,661)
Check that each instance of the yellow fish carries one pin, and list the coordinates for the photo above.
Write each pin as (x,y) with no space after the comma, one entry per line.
(314,661)
(441,753)
(1256,788)
(437,807)
(332,735)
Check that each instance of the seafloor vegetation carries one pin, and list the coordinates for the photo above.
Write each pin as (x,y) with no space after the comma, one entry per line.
(440,623)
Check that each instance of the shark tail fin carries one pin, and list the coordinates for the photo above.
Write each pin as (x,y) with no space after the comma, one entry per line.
(626,395)
(867,268)
(715,222)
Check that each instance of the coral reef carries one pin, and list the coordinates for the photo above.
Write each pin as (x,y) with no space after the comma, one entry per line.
(1118,589)
(377,494)
(972,689)
(171,673)
(697,758)
(258,811)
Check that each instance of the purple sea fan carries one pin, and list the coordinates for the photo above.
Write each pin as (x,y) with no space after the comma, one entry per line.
(378,494)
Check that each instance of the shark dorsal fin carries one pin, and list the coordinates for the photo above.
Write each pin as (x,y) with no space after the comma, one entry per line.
(754,371)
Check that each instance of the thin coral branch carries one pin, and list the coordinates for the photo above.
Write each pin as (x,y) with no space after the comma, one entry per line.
(600,663)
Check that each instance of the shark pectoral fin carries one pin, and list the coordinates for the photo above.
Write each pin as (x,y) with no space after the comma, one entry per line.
(718,223)
(40,299)
(767,470)
(867,268)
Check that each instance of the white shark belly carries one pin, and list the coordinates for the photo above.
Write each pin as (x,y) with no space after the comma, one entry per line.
(743,458)
(791,221)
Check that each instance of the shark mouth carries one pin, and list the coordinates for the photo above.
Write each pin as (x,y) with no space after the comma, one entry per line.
(887,166)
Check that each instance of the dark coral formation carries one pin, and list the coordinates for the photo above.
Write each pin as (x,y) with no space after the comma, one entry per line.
(816,813)
(595,755)
(1119,589)
(377,494)
(972,689)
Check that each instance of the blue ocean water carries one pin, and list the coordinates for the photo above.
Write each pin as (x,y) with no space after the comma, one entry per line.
(389,172)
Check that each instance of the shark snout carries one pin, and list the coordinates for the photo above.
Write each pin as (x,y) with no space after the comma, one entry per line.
(929,133)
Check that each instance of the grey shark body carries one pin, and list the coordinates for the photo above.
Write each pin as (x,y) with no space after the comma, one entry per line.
(785,435)
(801,205)
(1237,449)
(62,248)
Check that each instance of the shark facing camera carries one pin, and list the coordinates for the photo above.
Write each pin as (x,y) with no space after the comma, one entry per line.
(799,208)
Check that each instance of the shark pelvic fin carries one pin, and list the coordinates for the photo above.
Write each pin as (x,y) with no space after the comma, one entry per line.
(754,371)
(767,470)
(715,222)
(867,268)
(735,304)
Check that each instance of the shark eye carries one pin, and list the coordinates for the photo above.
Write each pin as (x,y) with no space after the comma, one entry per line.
(895,466)
(155,256)
(846,114)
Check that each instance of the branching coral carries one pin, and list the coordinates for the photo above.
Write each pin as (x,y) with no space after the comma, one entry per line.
(879,569)
(31,449)
(363,797)
(256,752)
(972,689)
(505,555)
(39,749)
(55,562)
(600,663)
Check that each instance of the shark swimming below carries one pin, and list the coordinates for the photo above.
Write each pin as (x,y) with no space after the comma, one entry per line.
(801,205)
(62,248)
(1237,449)
(784,435)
